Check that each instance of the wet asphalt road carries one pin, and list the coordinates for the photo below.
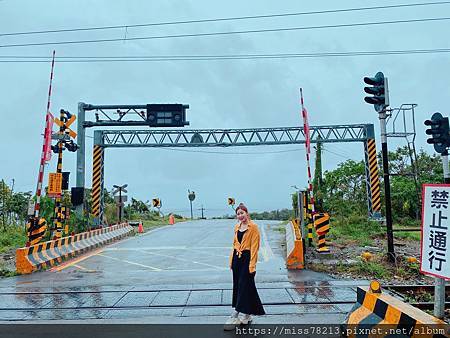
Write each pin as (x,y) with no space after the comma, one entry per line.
(177,274)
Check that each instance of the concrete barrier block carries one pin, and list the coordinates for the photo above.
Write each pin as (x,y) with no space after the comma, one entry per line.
(50,253)
(294,247)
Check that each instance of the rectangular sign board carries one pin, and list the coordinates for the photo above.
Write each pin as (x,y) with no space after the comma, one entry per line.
(117,198)
(30,207)
(54,185)
(435,250)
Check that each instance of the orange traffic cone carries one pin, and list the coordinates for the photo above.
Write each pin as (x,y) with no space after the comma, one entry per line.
(140,227)
(171,219)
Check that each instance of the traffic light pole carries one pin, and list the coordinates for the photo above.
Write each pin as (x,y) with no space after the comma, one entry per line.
(387,187)
(439,283)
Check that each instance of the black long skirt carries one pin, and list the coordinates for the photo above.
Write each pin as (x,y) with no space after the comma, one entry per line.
(245,296)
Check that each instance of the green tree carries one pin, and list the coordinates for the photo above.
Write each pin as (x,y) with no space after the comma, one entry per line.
(406,200)
(318,180)
(5,200)
(344,189)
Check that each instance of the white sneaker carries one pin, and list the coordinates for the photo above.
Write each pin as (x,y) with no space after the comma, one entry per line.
(231,323)
(245,319)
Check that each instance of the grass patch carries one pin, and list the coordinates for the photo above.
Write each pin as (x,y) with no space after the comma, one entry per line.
(5,272)
(354,229)
(12,237)
(360,270)
(408,235)
(156,223)
(414,236)
(281,229)
(372,269)
(379,268)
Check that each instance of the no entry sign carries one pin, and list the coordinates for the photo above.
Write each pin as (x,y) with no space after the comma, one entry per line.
(435,251)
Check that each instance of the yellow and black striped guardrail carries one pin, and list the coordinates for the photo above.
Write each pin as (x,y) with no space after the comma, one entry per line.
(48,254)
(307,216)
(377,314)
(322,226)
(97,182)
(294,246)
(36,230)
(374,181)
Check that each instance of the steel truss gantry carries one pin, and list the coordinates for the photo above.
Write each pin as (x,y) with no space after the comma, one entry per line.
(122,115)
(231,137)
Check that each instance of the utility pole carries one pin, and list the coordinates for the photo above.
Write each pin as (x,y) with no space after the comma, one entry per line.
(439,283)
(57,232)
(3,203)
(380,100)
(387,186)
(64,142)
(441,141)
(203,217)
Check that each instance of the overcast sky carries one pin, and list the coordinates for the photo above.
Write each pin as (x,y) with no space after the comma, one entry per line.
(221,93)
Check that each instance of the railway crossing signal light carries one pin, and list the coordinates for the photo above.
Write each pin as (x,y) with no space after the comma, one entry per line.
(379,89)
(156,203)
(439,131)
(167,115)
(231,201)
(71,146)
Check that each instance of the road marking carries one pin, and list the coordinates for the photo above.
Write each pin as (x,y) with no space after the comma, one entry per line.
(129,262)
(182,259)
(84,269)
(75,261)
(209,253)
(267,250)
(148,248)
(168,248)
(190,270)
(193,270)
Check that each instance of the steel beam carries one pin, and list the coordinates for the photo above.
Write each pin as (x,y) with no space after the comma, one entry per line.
(233,137)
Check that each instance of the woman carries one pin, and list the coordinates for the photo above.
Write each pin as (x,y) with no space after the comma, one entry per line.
(243,259)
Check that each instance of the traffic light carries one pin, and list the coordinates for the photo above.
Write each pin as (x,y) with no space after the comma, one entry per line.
(167,115)
(439,132)
(156,203)
(65,180)
(71,146)
(231,201)
(379,90)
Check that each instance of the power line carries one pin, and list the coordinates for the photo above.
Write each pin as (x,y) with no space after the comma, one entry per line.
(233,153)
(251,31)
(337,154)
(225,19)
(94,59)
(341,150)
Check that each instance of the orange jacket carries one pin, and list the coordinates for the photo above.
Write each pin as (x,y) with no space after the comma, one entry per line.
(250,241)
